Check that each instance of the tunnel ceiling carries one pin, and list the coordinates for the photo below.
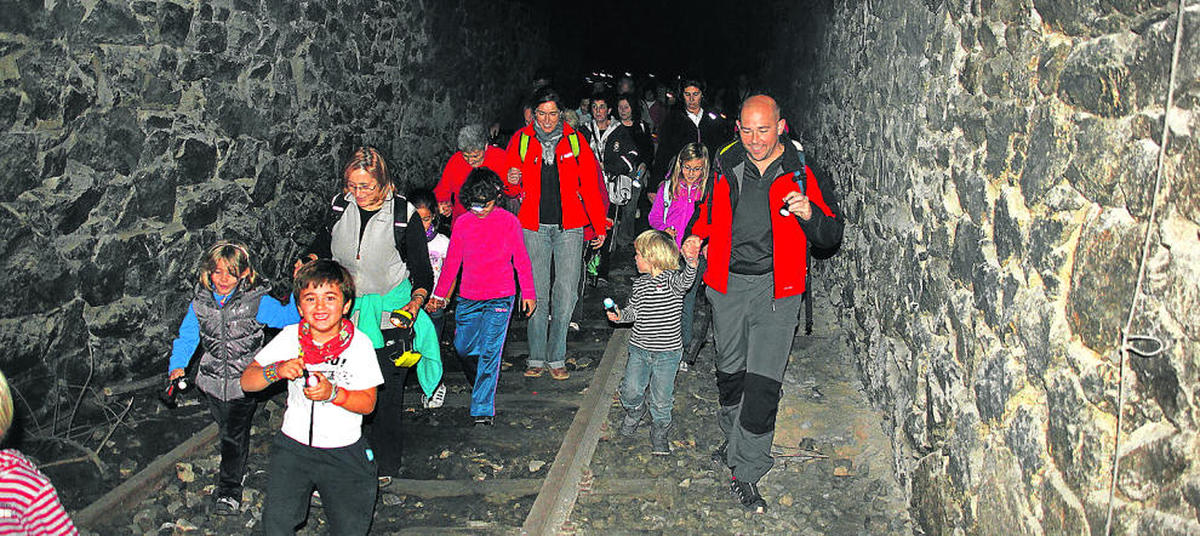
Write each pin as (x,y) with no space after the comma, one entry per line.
(712,40)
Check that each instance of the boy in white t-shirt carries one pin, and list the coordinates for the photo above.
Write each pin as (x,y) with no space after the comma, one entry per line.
(332,374)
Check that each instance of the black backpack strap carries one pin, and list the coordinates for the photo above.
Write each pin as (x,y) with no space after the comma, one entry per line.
(401,212)
(337,207)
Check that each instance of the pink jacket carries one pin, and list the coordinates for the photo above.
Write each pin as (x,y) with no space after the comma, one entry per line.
(487,249)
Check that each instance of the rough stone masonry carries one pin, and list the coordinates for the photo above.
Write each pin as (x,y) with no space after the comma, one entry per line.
(134,134)
(997,161)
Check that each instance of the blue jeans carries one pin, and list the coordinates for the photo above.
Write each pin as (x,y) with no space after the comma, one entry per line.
(481,328)
(547,329)
(656,370)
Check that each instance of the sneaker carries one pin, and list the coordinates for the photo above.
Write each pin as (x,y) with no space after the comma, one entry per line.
(683,366)
(574,326)
(747,494)
(659,446)
(718,456)
(629,426)
(228,505)
(315,500)
(560,373)
(438,398)
(385,481)
(484,420)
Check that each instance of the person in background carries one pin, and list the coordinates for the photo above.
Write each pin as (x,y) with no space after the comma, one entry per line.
(488,247)
(558,175)
(427,207)
(473,152)
(619,160)
(655,347)
(633,214)
(227,314)
(691,124)
(30,501)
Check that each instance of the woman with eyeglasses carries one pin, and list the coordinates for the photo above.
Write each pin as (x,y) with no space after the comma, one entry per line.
(378,236)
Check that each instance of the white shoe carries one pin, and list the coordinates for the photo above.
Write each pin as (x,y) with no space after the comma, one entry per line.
(438,398)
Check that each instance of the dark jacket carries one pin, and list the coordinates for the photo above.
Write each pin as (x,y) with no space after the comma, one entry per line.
(677,130)
(619,155)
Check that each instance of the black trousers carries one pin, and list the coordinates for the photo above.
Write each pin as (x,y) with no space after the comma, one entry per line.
(233,417)
(345,477)
(386,436)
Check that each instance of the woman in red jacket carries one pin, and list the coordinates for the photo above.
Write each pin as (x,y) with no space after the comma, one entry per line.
(556,172)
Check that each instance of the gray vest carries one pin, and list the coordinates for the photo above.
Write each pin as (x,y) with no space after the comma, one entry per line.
(230,336)
(374,263)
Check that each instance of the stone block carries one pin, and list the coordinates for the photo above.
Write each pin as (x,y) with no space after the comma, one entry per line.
(1062,511)
(1048,154)
(19,152)
(123,317)
(1006,507)
(1102,280)
(995,384)
(1077,445)
(1095,76)
(109,141)
(174,23)
(195,161)
(1025,436)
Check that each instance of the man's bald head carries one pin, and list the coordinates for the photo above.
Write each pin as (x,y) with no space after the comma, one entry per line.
(760,103)
(760,127)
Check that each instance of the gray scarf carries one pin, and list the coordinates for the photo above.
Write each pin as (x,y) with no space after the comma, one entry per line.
(549,141)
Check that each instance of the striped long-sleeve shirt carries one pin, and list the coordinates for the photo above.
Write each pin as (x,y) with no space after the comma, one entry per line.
(655,306)
(28,502)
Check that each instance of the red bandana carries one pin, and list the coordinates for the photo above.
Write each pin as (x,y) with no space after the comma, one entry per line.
(314,353)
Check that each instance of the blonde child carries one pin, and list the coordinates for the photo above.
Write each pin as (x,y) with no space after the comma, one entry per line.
(673,208)
(227,314)
(655,347)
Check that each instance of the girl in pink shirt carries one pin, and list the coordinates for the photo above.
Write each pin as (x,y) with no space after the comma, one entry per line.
(487,245)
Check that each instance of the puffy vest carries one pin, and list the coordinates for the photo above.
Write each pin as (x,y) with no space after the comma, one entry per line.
(230,336)
(374,262)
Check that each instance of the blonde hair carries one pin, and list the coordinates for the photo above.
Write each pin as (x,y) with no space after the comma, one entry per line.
(367,159)
(691,151)
(236,257)
(658,249)
(6,406)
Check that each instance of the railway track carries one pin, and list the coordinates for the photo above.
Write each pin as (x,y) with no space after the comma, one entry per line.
(521,476)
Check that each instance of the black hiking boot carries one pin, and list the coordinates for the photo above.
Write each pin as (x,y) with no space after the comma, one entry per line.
(747,494)
(659,446)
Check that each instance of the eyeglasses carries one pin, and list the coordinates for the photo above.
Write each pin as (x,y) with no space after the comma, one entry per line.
(364,188)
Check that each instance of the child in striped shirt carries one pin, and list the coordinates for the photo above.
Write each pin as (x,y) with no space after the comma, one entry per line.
(29,506)
(655,346)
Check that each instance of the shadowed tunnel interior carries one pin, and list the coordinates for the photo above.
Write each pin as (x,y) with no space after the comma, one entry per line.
(1020,197)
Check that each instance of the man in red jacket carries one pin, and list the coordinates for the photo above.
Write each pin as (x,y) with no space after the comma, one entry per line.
(556,171)
(762,210)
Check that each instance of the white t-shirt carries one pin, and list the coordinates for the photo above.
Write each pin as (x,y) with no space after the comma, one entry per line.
(332,426)
(437,254)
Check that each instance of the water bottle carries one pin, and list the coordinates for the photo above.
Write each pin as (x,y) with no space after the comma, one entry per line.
(610,305)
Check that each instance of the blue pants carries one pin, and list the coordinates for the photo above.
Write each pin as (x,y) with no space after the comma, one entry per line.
(656,370)
(481,329)
(551,245)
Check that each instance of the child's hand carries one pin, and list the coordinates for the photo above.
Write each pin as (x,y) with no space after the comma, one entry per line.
(323,390)
(434,304)
(691,249)
(528,305)
(176,373)
(412,307)
(290,369)
(612,317)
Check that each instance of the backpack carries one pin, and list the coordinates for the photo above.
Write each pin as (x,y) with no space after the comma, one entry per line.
(399,223)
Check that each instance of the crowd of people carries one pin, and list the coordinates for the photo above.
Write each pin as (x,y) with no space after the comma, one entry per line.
(713,210)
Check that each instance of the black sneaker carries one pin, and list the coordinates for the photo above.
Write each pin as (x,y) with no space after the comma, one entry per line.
(718,456)
(747,494)
(659,446)
(228,505)
(629,426)
(484,420)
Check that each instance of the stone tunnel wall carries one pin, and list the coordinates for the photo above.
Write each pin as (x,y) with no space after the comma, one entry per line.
(996,160)
(135,134)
